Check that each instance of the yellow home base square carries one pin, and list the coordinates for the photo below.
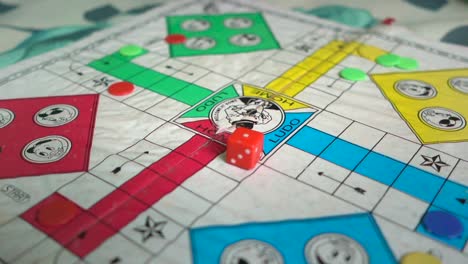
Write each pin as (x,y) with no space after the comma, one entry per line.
(433,103)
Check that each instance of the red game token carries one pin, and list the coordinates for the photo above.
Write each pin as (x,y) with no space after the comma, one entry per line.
(56,213)
(388,21)
(175,39)
(121,88)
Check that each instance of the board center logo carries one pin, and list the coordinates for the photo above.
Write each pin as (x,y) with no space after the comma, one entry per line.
(249,112)
(6,116)
(56,115)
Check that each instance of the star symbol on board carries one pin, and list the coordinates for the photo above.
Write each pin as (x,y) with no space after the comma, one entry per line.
(151,229)
(435,162)
(103,81)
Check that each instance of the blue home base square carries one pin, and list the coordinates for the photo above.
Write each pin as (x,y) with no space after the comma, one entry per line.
(343,239)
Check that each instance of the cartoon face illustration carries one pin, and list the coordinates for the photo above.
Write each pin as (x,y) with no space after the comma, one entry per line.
(333,248)
(200,43)
(442,118)
(250,112)
(251,252)
(460,84)
(237,22)
(245,40)
(6,117)
(416,89)
(47,149)
(56,115)
(196,25)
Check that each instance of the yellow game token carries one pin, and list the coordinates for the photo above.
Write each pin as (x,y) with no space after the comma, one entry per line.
(420,258)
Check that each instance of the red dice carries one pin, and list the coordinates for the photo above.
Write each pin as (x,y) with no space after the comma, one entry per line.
(244,148)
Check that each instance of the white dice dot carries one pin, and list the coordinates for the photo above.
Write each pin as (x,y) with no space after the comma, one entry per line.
(239,156)
(233,161)
(245,135)
(247,151)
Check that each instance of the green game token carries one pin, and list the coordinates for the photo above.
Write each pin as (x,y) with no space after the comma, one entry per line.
(408,63)
(353,74)
(388,60)
(130,50)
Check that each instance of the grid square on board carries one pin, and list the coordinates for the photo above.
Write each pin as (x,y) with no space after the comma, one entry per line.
(209,184)
(401,208)
(150,223)
(459,173)
(373,191)
(273,67)
(16,231)
(167,109)
(362,135)
(144,100)
(116,170)
(170,136)
(117,247)
(47,251)
(86,190)
(182,205)
(315,97)
(257,78)
(289,160)
(145,153)
(396,148)
(330,123)
(324,175)
(191,73)
(434,162)
(213,81)
(180,248)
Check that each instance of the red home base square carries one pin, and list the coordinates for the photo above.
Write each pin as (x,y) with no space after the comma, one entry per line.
(46,135)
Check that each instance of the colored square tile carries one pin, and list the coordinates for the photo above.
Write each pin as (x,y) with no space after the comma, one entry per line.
(458,242)
(380,168)
(191,94)
(453,197)
(126,71)
(106,63)
(344,153)
(147,78)
(311,140)
(418,183)
(168,86)
(220,34)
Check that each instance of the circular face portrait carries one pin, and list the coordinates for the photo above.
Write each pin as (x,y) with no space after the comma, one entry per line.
(245,40)
(200,43)
(251,252)
(442,118)
(196,25)
(56,115)
(47,149)
(6,117)
(331,248)
(460,84)
(416,89)
(238,22)
(249,112)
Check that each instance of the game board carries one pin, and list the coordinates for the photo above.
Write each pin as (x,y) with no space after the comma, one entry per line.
(352,171)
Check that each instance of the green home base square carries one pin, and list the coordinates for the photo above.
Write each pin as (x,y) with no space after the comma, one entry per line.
(220,34)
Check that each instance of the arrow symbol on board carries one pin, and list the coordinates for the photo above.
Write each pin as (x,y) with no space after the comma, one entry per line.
(172,68)
(115,260)
(119,168)
(359,190)
(462,200)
